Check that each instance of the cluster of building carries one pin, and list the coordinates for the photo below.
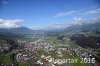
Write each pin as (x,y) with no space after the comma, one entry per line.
(4,47)
(30,48)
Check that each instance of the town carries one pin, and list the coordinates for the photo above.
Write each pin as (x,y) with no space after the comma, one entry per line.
(42,53)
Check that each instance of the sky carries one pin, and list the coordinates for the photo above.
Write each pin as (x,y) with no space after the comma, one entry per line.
(36,14)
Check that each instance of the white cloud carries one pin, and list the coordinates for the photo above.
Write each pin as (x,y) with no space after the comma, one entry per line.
(95,20)
(91,10)
(64,13)
(95,11)
(10,23)
(80,21)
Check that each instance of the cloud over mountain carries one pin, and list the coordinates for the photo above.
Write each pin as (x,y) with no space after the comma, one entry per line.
(80,21)
(10,23)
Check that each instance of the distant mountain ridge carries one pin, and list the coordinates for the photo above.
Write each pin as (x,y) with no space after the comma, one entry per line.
(20,30)
(68,29)
(85,27)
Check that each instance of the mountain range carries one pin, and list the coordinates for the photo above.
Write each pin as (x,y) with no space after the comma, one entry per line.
(71,28)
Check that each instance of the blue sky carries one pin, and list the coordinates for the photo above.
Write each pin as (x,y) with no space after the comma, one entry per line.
(43,13)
